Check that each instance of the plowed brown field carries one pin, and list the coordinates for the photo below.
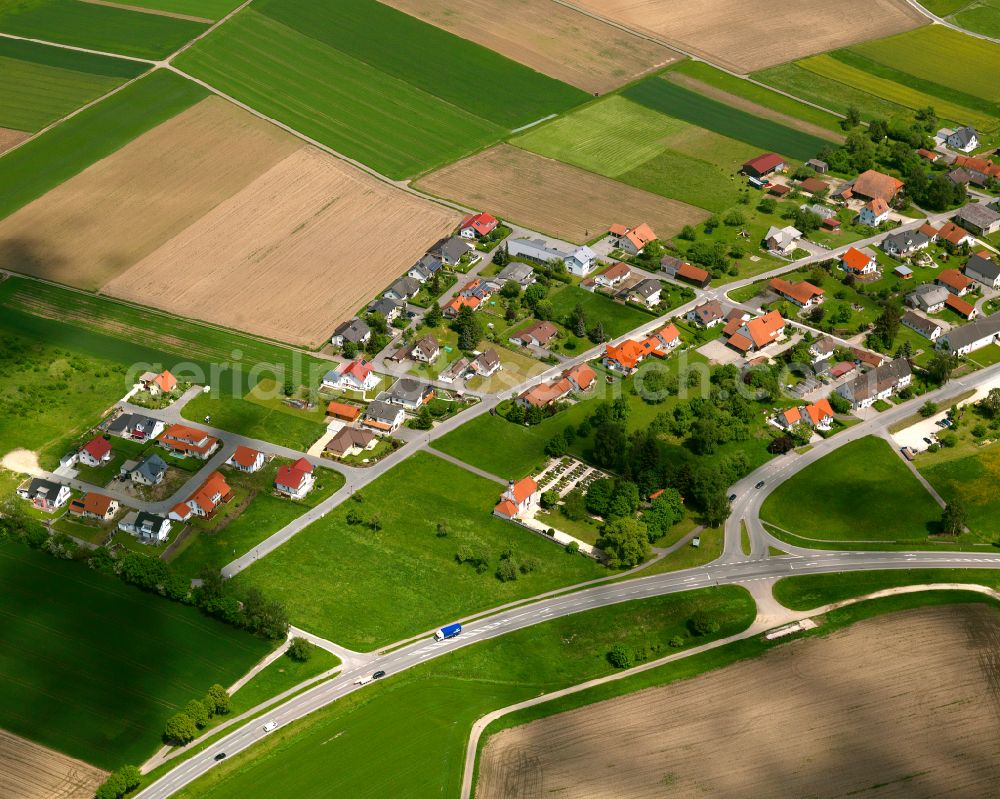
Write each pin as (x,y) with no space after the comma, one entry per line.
(905,706)
(30,771)
(549,37)
(553,197)
(298,250)
(102,221)
(9,137)
(745,35)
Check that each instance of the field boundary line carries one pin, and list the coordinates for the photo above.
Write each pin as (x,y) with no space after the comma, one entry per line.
(104,53)
(936,20)
(156,12)
(756,628)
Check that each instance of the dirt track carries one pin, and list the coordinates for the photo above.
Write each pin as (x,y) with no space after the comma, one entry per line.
(746,35)
(102,221)
(908,702)
(548,37)
(295,252)
(30,771)
(552,197)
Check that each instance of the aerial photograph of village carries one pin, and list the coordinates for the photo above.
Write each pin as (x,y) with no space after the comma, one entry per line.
(499,399)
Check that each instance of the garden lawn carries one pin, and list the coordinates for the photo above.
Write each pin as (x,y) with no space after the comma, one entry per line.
(266,514)
(67,149)
(662,95)
(93,667)
(97,27)
(617,318)
(252,420)
(40,84)
(860,492)
(815,590)
(365,588)
(968,474)
(421,718)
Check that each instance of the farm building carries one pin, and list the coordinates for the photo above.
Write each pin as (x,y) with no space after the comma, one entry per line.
(763,165)
(984,271)
(979,218)
(818,166)
(973,336)
(961,307)
(343,411)
(876,384)
(813,186)
(928,328)
(870,185)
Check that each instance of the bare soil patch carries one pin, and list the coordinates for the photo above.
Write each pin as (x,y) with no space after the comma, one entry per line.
(745,35)
(154,11)
(9,137)
(22,461)
(102,221)
(549,37)
(30,771)
(298,250)
(907,702)
(553,197)
(750,106)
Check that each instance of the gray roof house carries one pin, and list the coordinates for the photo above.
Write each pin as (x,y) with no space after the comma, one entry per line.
(147,526)
(905,242)
(150,471)
(973,336)
(409,393)
(928,328)
(383,416)
(986,272)
(646,291)
(406,288)
(355,331)
(878,383)
(579,262)
(45,494)
(450,251)
(390,309)
(522,274)
(928,297)
(135,426)
(965,139)
(424,269)
(978,218)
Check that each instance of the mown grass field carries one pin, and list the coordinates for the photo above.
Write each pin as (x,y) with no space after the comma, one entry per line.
(93,667)
(421,719)
(859,492)
(45,162)
(40,84)
(814,590)
(617,319)
(346,73)
(661,95)
(365,588)
(982,16)
(968,474)
(97,27)
(250,419)
(756,93)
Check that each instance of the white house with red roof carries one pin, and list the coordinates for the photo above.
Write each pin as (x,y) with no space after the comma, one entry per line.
(819,415)
(802,293)
(613,275)
(858,263)
(295,480)
(157,384)
(246,459)
(874,212)
(358,375)
(757,333)
(477,225)
(185,441)
(519,499)
(95,452)
(631,240)
(215,491)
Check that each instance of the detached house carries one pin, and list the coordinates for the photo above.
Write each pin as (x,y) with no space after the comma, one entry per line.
(707,314)
(135,427)
(979,218)
(876,384)
(94,506)
(522,274)
(819,415)
(424,269)
(355,331)
(646,292)
(246,459)
(537,334)
(409,393)
(451,251)
(477,225)
(955,235)
(965,139)
(803,293)
(215,491)
(905,242)
(631,240)
(149,471)
(519,498)
(757,333)
(384,417)
(613,275)
(157,384)
(295,480)
(681,270)
(95,452)
(626,357)
(184,441)
(426,350)
(953,280)
(874,212)
(358,375)
(351,441)
(403,290)
(390,309)
(486,363)
(928,328)
(45,494)
(973,336)
(146,526)
(928,298)
(580,262)
(983,271)
(782,240)
(858,263)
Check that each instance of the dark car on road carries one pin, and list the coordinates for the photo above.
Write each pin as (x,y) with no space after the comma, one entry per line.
(760,484)
(732,497)
(378,674)
(220,756)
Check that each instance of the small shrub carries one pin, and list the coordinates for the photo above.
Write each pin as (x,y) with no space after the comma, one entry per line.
(621,657)
(572,547)
(506,571)
(299,649)
(703,624)
(676,642)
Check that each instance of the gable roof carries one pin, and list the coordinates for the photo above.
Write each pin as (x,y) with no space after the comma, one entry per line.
(245,456)
(985,166)
(872,183)
(814,185)
(292,476)
(92,502)
(979,214)
(165,381)
(343,410)
(819,411)
(358,369)
(792,416)
(801,292)
(954,279)
(581,374)
(878,206)
(708,311)
(963,335)
(97,447)
(951,232)
(523,489)
(482,223)
(855,260)
(615,272)
(983,267)
(927,327)
(214,486)
(959,306)
(764,329)
(764,162)
(543,332)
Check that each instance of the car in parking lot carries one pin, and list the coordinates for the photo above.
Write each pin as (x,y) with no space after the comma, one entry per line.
(928,441)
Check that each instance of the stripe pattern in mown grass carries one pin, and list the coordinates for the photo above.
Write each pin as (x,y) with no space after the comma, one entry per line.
(373,83)
(669,98)
(69,148)
(97,27)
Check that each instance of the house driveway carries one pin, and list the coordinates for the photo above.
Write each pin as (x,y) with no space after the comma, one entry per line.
(717,352)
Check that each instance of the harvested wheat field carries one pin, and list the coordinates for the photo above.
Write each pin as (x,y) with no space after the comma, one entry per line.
(549,37)
(745,35)
(553,197)
(298,250)
(908,702)
(9,137)
(105,219)
(30,771)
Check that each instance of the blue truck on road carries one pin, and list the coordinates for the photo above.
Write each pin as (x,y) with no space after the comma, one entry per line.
(449,631)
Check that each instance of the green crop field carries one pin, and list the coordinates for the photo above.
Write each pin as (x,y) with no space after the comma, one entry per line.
(982,16)
(93,667)
(685,178)
(860,492)
(208,9)
(662,95)
(903,94)
(67,149)
(40,84)
(796,79)
(941,55)
(347,73)
(405,736)
(740,87)
(364,588)
(97,27)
